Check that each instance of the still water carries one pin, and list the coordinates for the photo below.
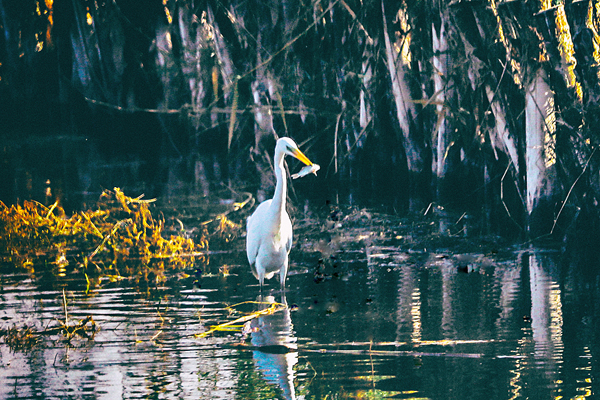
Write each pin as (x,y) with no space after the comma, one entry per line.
(370,311)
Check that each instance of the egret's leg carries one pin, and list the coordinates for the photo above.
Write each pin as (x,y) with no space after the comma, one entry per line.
(282,275)
(260,273)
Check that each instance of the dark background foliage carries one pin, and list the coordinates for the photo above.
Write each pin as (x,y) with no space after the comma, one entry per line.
(181,98)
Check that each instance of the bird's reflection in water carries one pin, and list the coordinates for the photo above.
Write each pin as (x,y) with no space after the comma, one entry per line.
(275,345)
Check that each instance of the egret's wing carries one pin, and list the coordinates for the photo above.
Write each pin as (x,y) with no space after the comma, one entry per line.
(289,245)
(254,227)
(286,228)
(252,240)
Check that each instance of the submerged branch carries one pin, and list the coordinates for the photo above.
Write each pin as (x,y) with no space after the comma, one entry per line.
(235,324)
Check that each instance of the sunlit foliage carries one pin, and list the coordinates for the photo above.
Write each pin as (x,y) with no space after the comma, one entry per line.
(120,234)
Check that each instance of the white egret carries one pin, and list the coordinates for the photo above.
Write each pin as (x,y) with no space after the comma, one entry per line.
(269,228)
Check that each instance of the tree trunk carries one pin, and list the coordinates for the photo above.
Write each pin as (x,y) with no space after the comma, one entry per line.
(539,126)
(440,76)
(405,108)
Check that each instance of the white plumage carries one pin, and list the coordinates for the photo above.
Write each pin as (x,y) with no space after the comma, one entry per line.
(269,228)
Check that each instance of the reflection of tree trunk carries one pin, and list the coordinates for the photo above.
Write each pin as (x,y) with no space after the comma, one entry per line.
(546,316)
(409,307)
(509,281)
(448,295)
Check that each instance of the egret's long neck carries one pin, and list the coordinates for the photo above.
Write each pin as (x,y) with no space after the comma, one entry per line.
(281,187)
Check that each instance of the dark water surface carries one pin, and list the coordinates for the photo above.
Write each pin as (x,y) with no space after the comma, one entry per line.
(371,313)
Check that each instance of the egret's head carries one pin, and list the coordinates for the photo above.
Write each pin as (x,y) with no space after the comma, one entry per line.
(286,145)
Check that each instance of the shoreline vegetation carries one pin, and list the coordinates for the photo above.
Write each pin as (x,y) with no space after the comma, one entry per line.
(119,233)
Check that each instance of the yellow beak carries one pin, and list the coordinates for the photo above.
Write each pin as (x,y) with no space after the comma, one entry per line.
(300,156)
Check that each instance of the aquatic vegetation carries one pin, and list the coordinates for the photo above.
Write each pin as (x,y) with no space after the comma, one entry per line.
(119,236)
(19,338)
(27,337)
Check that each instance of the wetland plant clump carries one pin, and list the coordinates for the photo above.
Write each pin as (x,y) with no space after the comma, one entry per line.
(120,236)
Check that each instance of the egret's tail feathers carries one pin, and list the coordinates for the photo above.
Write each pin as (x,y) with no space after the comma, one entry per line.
(254,272)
